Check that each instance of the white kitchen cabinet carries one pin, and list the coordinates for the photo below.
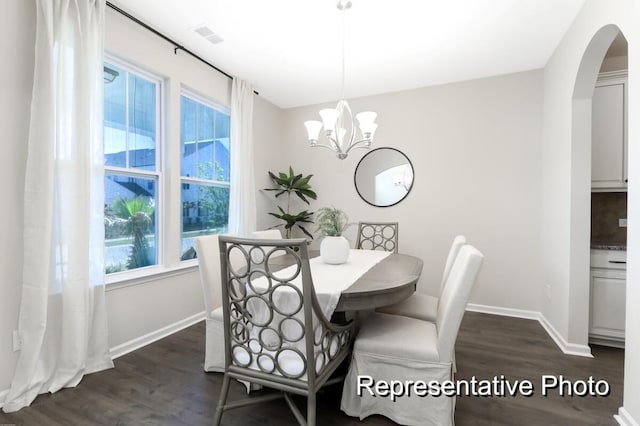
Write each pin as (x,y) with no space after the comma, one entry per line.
(608,297)
(609,133)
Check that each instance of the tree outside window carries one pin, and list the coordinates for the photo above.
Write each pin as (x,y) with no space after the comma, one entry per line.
(205,170)
(132,174)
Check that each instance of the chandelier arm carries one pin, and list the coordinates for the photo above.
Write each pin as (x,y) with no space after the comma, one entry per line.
(324,145)
(363,143)
(333,144)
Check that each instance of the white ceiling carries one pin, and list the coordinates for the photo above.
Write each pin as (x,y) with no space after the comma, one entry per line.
(291,50)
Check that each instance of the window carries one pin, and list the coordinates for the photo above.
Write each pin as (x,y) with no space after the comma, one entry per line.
(132,167)
(205,161)
(153,212)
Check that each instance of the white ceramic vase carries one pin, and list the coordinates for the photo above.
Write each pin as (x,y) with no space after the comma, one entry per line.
(334,250)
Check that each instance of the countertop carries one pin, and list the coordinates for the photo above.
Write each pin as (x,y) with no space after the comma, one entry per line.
(621,247)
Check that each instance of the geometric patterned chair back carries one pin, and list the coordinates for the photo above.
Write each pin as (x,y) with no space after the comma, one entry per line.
(378,236)
(275,332)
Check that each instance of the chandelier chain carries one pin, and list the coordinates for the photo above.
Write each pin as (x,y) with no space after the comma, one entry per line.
(344,43)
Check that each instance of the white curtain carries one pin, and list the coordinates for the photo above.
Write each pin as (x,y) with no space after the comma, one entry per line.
(242,197)
(62,321)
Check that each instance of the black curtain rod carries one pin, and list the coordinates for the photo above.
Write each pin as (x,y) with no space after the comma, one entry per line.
(176,46)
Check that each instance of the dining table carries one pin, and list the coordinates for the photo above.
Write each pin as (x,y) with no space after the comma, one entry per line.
(389,281)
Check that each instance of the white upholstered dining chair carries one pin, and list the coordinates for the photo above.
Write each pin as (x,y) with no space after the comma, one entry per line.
(208,251)
(209,264)
(397,348)
(268,234)
(425,306)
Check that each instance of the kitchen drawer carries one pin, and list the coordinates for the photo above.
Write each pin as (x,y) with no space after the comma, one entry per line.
(609,259)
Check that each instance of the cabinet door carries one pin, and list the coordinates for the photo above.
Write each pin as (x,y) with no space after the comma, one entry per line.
(608,296)
(608,168)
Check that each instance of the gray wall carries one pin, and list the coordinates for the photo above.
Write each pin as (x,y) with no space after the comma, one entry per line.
(475,147)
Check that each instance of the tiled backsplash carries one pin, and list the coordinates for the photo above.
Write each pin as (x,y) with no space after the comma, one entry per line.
(607,208)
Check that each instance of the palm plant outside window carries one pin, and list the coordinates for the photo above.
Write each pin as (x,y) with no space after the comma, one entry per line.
(132,167)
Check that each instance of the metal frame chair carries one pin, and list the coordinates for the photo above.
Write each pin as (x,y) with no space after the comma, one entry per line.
(378,236)
(267,341)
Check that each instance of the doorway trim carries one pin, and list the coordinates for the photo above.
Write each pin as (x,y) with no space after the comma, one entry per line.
(580,223)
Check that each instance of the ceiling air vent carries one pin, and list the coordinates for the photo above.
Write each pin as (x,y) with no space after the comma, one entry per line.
(206,32)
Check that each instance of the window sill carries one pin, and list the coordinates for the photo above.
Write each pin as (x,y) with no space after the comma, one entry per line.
(146,275)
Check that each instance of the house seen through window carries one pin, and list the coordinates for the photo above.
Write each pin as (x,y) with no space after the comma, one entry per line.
(132,169)
(136,184)
(204,150)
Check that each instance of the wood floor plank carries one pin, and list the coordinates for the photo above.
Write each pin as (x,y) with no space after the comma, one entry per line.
(164,384)
(490,346)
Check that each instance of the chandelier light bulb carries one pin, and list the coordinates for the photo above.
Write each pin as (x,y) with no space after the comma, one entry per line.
(313,130)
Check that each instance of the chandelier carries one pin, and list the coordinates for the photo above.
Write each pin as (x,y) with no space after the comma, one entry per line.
(338,124)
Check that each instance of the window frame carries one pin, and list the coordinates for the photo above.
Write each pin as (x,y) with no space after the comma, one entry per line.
(217,107)
(158,174)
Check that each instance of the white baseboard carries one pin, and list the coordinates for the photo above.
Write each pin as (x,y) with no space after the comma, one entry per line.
(566,347)
(161,333)
(141,341)
(505,312)
(624,418)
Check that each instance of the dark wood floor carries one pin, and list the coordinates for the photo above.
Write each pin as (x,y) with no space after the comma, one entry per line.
(163,384)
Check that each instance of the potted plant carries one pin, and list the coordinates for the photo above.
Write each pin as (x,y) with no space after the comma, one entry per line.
(298,185)
(331,224)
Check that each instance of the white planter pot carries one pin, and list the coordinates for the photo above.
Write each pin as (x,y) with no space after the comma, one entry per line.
(334,250)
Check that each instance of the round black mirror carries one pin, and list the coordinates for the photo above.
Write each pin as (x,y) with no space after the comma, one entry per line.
(384,177)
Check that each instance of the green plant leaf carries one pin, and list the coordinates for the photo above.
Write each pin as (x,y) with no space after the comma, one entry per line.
(304,181)
(275,215)
(305,231)
(297,184)
(309,193)
(299,194)
(331,221)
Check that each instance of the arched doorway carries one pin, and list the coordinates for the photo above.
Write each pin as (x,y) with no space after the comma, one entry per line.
(580,222)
